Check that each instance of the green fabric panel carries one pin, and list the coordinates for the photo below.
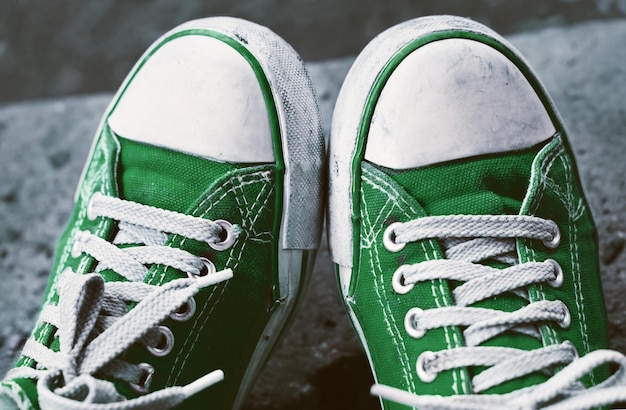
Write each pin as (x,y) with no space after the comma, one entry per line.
(379,310)
(99,177)
(180,182)
(220,335)
(30,389)
(555,193)
(18,394)
(164,178)
(508,183)
(230,316)
(489,185)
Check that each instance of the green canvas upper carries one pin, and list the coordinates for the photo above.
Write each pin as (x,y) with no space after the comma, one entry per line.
(207,190)
(195,220)
(464,246)
(230,316)
(538,181)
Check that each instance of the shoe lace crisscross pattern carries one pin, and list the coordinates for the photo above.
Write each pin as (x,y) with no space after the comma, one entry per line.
(93,320)
(469,241)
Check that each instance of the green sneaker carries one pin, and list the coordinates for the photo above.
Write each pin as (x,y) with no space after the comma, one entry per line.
(463,244)
(196,221)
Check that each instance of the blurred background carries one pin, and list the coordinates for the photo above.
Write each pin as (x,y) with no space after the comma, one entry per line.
(61,47)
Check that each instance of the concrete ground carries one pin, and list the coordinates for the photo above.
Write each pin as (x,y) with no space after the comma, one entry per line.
(319,363)
(52,49)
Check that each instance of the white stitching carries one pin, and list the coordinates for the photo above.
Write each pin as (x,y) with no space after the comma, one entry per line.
(392,326)
(574,215)
(393,194)
(252,179)
(545,165)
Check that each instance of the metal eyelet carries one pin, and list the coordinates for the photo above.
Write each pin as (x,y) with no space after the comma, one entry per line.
(229,236)
(389,238)
(187,310)
(554,242)
(567,317)
(208,268)
(398,281)
(557,282)
(144,383)
(91,215)
(165,342)
(409,323)
(424,375)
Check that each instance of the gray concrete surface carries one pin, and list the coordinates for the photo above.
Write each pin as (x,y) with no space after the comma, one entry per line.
(54,48)
(319,363)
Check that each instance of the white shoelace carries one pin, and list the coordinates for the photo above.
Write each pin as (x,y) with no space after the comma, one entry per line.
(92,317)
(468,240)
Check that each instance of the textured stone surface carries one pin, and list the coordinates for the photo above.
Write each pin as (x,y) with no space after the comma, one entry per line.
(75,47)
(319,363)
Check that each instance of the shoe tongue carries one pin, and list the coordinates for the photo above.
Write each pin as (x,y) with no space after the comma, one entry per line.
(493,185)
(164,178)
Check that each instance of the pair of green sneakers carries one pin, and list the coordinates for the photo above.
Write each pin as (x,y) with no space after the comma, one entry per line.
(463,244)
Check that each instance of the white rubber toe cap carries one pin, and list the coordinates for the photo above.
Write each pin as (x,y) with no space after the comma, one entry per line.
(451,99)
(196,94)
